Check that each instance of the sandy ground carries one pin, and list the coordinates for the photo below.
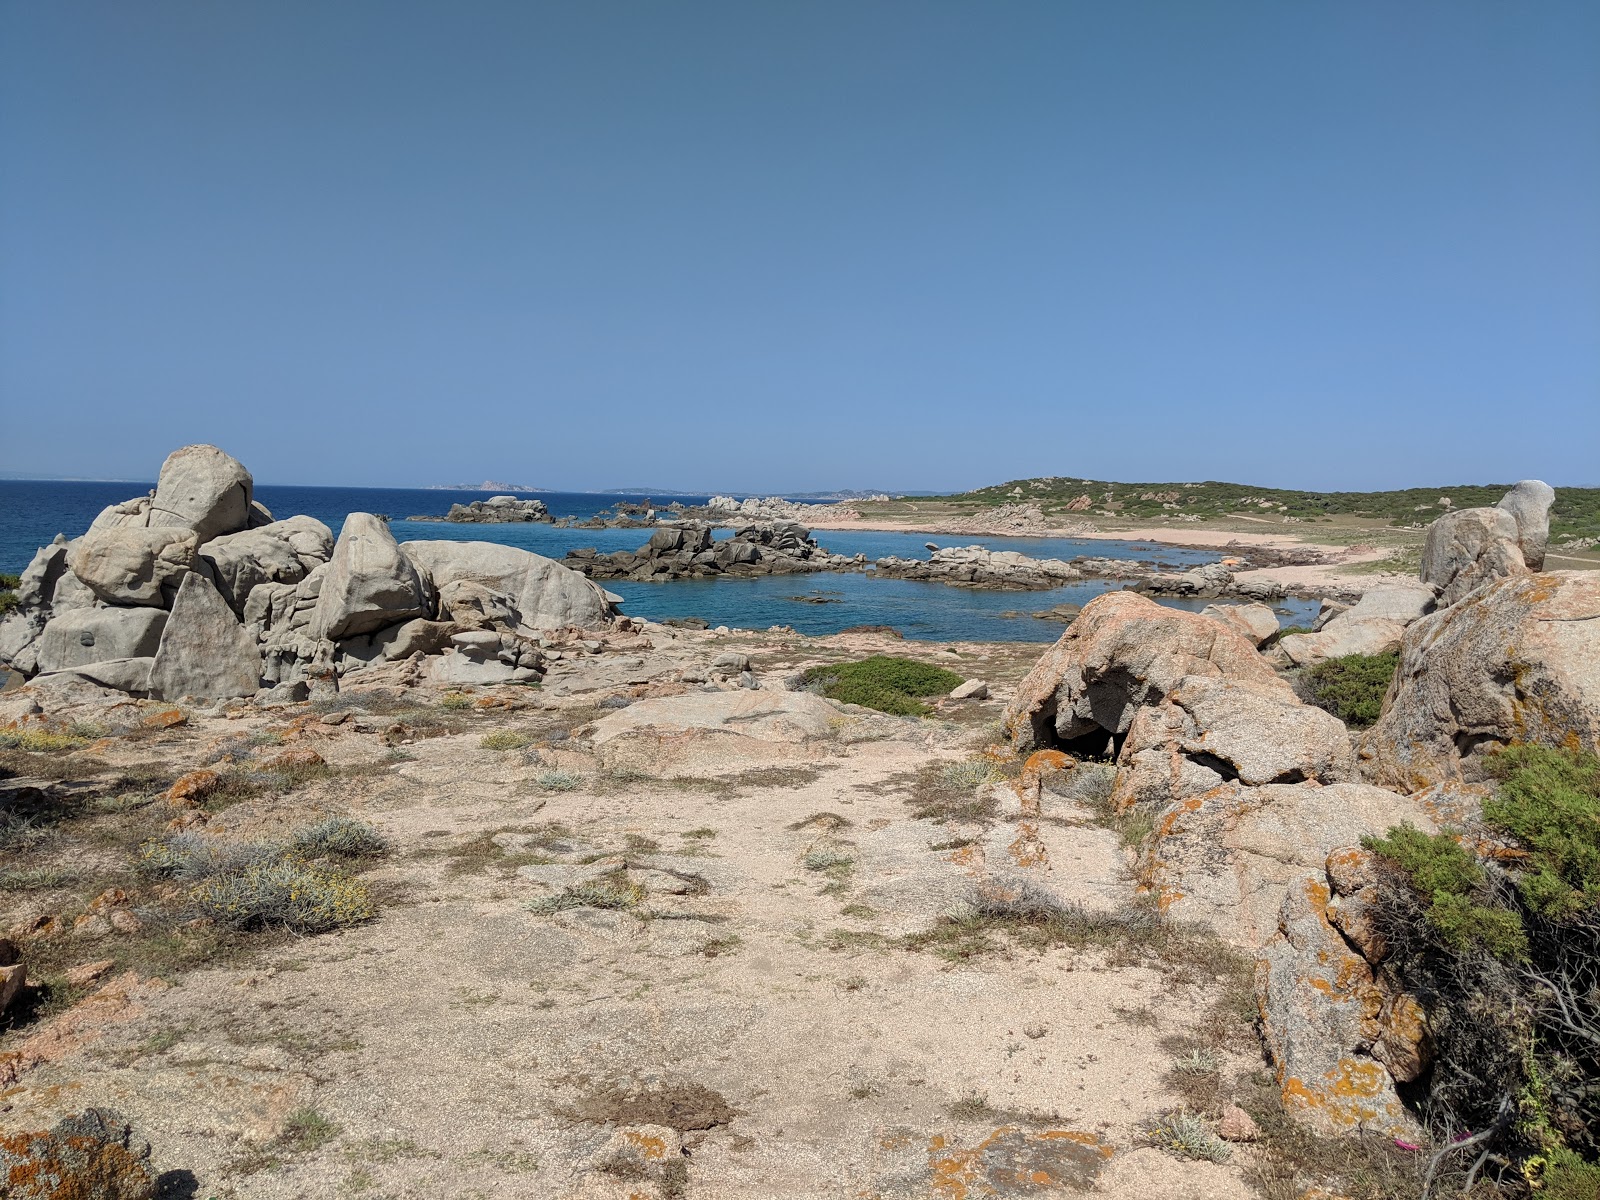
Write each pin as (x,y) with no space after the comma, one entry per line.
(462,1045)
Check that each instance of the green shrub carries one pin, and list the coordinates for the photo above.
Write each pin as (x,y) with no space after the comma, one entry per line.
(1506,958)
(505,739)
(557,780)
(39,741)
(283,892)
(8,592)
(1549,800)
(339,837)
(883,682)
(1352,687)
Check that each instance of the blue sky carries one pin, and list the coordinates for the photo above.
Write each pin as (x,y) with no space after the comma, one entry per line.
(803,245)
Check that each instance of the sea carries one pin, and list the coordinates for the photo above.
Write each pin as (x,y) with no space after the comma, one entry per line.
(33,512)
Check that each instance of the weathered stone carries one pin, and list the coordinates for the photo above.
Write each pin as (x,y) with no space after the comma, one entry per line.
(203,489)
(1516,661)
(131,675)
(93,1155)
(1225,857)
(1529,505)
(130,514)
(133,566)
(1256,622)
(205,652)
(972,689)
(708,732)
(1122,653)
(89,635)
(1236,1125)
(544,594)
(1405,1043)
(1320,1011)
(275,553)
(369,582)
(1466,549)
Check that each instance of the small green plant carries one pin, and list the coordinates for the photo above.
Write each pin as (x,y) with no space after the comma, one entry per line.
(703,834)
(610,893)
(454,701)
(8,592)
(969,774)
(306,1129)
(1184,1135)
(39,741)
(339,837)
(883,682)
(557,780)
(281,892)
(1549,800)
(36,879)
(826,859)
(1352,687)
(505,739)
(1451,881)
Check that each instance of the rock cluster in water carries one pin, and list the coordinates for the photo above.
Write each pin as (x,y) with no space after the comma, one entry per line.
(496,510)
(688,551)
(195,590)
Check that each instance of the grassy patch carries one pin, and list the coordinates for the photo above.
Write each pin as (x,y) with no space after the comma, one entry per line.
(505,739)
(614,893)
(883,682)
(1184,1135)
(1351,687)
(937,793)
(39,741)
(556,780)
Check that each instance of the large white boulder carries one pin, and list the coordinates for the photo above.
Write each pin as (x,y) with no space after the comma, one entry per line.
(204,652)
(1529,505)
(546,594)
(368,582)
(204,489)
(89,635)
(1466,549)
(132,565)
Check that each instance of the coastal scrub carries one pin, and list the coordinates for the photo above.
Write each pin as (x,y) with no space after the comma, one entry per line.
(883,682)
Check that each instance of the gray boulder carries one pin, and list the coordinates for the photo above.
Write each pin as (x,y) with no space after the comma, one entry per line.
(1254,621)
(281,552)
(368,583)
(204,489)
(90,635)
(545,594)
(204,652)
(130,514)
(130,565)
(1466,549)
(131,675)
(1529,505)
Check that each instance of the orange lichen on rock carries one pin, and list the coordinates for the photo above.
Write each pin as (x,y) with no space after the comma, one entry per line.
(193,787)
(1009,1160)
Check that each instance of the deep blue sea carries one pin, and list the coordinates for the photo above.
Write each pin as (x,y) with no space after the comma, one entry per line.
(32,513)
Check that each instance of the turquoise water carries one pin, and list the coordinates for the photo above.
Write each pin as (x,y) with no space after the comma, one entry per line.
(31,513)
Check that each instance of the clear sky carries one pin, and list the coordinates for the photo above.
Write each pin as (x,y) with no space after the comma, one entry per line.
(802,244)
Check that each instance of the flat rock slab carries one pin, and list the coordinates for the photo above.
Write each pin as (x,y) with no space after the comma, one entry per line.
(767,716)
(204,650)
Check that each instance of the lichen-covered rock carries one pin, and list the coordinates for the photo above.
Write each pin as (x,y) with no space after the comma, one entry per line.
(205,652)
(1465,550)
(1529,505)
(368,583)
(92,1156)
(1122,653)
(1320,1015)
(1226,857)
(204,489)
(129,565)
(1517,661)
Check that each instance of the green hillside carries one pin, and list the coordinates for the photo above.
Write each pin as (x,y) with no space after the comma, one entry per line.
(1576,512)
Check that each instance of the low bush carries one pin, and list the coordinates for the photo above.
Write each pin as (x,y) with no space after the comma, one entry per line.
(259,885)
(505,739)
(1184,1135)
(1505,954)
(557,780)
(8,592)
(883,682)
(1352,687)
(284,892)
(39,741)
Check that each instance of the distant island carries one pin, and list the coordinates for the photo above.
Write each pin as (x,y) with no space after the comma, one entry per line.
(488,485)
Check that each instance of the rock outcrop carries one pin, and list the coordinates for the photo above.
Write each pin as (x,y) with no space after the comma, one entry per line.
(688,551)
(1515,661)
(496,510)
(975,566)
(93,1155)
(1471,547)
(1373,625)
(262,604)
(1529,505)
(1256,622)
(369,582)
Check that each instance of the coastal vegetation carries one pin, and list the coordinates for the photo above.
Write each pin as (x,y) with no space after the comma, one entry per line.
(1500,935)
(1350,687)
(1575,513)
(884,682)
